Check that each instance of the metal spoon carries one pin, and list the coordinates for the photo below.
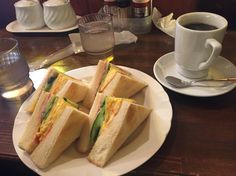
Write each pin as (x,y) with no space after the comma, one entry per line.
(178,83)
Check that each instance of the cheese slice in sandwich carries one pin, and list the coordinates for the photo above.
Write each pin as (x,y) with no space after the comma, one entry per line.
(48,109)
(116,121)
(61,85)
(112,81)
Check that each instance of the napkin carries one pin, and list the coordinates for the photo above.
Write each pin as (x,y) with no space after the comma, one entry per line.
(165,24)
(124,37)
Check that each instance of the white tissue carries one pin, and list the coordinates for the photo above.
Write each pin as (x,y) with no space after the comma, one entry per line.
(125,37)
(37,76)
(165,24)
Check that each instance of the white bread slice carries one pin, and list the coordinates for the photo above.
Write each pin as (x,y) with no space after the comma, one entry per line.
(35,96)
(27,141)
(129,117)
(95,83)
(73,90)
(83,144)
(123,86)
(65,130)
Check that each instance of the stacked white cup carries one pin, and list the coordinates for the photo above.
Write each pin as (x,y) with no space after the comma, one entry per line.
(56,14)
(29,14)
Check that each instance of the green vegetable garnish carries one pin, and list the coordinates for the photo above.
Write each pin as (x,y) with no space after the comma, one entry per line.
(98,123)
(50,83)
(71,103)
(49,107)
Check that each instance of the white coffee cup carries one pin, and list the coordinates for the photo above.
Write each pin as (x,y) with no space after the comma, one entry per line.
(58,14)
(29,14)
(196,49)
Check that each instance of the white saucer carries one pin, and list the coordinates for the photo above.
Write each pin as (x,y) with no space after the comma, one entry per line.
(165,66)
(15,27)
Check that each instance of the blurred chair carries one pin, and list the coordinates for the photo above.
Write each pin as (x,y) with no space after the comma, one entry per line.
(178,7)
(7,12)
(225,8)
(83,7)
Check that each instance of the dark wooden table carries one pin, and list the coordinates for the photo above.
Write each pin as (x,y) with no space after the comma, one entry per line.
(202,139)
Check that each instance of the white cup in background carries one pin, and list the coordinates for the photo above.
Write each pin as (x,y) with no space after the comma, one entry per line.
(29,14)
(196,49)
(58,14)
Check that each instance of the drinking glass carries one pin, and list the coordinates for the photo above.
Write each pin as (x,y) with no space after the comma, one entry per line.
(97,34)
(15,83)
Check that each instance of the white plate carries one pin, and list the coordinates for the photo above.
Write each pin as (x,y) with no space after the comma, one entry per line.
(151,135)
(165,66)
(15,27)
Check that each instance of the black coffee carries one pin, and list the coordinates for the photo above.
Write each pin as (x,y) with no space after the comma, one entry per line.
(200,26)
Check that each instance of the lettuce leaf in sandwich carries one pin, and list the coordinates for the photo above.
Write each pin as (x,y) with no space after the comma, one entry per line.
(108,111)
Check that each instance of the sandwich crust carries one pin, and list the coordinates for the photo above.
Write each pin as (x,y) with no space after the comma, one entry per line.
(27,141)
(83,143)
(95,83)
(70,91)
(123,86)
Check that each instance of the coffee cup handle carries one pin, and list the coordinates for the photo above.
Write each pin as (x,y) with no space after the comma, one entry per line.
(216,49)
